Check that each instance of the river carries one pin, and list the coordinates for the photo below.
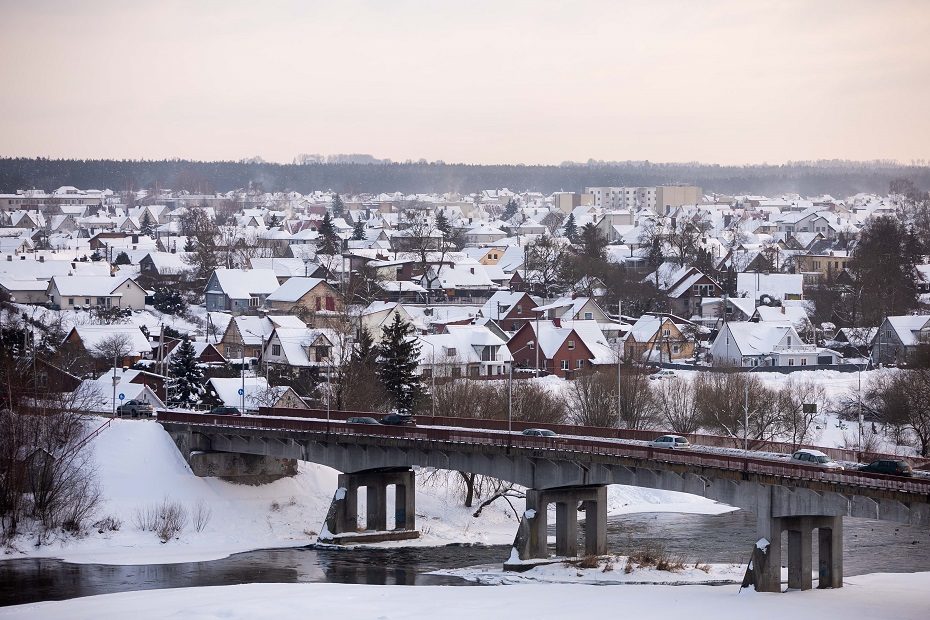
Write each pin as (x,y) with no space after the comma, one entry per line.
(869,547)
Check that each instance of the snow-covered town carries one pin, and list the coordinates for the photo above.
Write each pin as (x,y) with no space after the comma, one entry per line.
(464,310)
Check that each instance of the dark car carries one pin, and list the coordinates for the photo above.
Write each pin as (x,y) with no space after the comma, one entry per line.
(135,408)
(539,432)
(221,410)
(888,466)
(398,419)
(361,420)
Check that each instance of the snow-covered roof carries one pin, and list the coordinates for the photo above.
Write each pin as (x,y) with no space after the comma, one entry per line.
(908,327)
(551,337)
(294,289)
(777,285)
(242,283)
(92,286)
(92,336)
(754,339)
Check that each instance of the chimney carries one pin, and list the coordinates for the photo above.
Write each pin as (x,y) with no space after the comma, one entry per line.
(782,309)
(557,322)
(41,259)
(9,257)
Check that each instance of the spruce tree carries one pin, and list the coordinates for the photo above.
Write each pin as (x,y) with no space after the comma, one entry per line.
(339,207)
(443,225)
(571,228)
(511,209)
(274,222)
(146,225)
(122,259)
(186,375)
(329,242)
(399,355)
(358,230)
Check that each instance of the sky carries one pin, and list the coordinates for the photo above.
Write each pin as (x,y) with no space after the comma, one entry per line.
(473,81)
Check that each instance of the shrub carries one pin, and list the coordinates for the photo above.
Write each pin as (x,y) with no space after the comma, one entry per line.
(166,519)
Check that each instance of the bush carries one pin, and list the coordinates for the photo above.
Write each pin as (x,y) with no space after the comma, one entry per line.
(169,301)
(166,519)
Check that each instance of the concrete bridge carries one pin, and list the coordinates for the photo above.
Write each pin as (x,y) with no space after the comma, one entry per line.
(565,471)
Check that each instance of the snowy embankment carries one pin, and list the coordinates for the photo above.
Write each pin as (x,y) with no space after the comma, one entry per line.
(138,466)
(898,596)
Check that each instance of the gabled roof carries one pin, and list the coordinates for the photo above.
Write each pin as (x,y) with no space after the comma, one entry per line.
(551,337)
(753,339)
(242,284)
(294,289)
(92,286)
(295,342)
(92,336)
(908,327)
(501,303)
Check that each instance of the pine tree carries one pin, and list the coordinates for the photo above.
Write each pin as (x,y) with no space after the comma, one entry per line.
(443,225)
(339,207)
(358,230)
(571,228)
(399,355)
(146,225)
(186,375)
(122,259)
(511,209)
(329,242)
(274,222)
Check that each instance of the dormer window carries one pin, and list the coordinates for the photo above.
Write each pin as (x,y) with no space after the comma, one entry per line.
(451,352)
(571,345)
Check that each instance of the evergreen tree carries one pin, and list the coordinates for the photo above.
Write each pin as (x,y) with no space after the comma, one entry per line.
(358,230)
(329,242)
(399,355)
(511,209)
(274,222)
(122,259)
(339,207)
(593,242)
(443,225)
(186,375)
(169,301)
(146,225)
(571,228)
(883,267)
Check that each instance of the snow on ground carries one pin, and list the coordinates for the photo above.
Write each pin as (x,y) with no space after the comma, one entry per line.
(138,466)
(866,597)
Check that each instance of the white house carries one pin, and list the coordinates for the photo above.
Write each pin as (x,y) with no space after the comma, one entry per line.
(98,291)
(767,344)
(464,351)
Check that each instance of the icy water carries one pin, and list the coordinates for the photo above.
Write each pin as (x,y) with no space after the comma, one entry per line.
(869,546)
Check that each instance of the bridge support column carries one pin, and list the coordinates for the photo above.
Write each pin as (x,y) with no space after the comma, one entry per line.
(531,540)
(830,552)
(767,563)
(800,553)
(342,519)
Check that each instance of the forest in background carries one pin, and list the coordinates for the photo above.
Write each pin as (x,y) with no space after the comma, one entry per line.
(837,178)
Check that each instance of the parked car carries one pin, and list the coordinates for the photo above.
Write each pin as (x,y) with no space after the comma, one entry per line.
(539,432)
(361,420)
(223,410)
(135,408)
(815,457)
(890,467)
(662,374)
(670,441)
(398,419)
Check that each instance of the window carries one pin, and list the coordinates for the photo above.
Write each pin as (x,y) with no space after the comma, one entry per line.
(803,361)
(791,362)
(579,363)
(666,333)
(451,352)
(564,364)
(531,346)
(316,301)
(456,371)
(322,353)
(71,301)
(87,301)
(519,309)
(330,303)
(571,345)
(789,341)
(427,373)
(676,349)
(588,316)
(254,301)
(276,349)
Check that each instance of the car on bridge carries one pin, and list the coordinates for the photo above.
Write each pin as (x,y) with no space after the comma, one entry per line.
(398,419)
(135,408)
(676,442)
(225,410)
(539,432)
(361,420)
(892,467)
(816,458)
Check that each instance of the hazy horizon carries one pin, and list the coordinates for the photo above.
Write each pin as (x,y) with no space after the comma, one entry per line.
(723,82)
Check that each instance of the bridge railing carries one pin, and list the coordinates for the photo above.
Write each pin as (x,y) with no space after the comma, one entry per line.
(719,441)
(754,465)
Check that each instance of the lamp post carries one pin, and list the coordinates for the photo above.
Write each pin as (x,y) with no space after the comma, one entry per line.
(531,343)
(432,374)
(746,406)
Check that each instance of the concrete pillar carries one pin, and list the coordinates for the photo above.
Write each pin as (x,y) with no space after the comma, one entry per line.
(350,509)
(766,563)
(799,553)
(538,524)
(405,506)
(830,552)
(595,523)
(376,510)
(566,528)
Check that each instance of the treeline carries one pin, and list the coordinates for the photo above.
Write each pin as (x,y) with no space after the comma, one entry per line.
(836,178)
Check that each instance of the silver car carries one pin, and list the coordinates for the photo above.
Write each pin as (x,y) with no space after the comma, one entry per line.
(670,441)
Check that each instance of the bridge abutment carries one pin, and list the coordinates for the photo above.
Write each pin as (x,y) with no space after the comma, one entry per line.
(531,542)
(342,519)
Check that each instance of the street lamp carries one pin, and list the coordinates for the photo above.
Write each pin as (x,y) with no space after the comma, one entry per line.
(531,343)
(746,406)
(432,374)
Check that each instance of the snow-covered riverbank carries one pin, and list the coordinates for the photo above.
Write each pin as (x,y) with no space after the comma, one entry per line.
(138,466)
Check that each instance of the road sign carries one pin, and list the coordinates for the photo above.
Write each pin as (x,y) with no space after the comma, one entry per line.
(122,396)
(241,391)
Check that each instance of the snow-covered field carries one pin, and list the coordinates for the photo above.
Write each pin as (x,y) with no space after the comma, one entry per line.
(867,597)
(138,465)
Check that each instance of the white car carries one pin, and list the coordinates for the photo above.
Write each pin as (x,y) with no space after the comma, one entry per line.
(670,441)
(815,457)
(662,374)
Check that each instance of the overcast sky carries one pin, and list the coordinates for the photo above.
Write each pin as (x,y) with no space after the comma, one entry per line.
(471,81)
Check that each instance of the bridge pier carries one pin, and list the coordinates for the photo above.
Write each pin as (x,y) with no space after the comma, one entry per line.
(531,542)
(767,563)
(342,518)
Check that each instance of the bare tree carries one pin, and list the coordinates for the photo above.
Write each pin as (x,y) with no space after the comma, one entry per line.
(114,347)
(798,403)
(678,405)
(637,401)
(592,399)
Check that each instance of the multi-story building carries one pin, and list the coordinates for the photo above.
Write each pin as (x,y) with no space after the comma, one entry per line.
(667,197)
(632,198)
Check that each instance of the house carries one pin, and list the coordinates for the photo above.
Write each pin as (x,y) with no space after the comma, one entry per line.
(204,352)
(245,336)
(657,338)
(24,291)
(239,290)
(464,351)
(766,344)
(685,295)
(561,348)
(780,286)
(306,294)
(379,314)
(255,392)
(509,310)
(161,266)
(68,292)
(574,309)
(301,347)
(483,235)
(90,338)
(794,315)
(466,280)
(899,338)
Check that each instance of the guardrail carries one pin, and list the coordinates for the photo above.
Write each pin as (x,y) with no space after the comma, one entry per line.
(841,454)
(563,444)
